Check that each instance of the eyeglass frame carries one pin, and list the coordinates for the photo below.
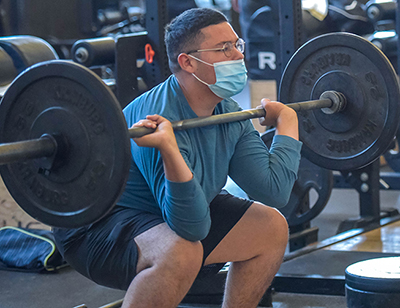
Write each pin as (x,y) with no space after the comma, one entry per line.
(240,42)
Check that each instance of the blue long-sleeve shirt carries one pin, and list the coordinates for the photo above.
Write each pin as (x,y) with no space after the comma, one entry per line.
(212,153)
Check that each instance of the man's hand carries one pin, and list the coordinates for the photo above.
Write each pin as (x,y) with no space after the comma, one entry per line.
(280,116)
(162,136)
(164,140)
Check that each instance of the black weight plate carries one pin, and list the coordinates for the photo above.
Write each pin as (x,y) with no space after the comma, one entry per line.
(347,63)
(310,178)
(67,100)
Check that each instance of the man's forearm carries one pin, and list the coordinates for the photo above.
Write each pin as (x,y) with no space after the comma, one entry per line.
(175,167)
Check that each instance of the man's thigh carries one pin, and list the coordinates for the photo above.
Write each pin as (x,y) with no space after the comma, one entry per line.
(259,228)
(106,252)
(160,243)
(226,211)
(160,247)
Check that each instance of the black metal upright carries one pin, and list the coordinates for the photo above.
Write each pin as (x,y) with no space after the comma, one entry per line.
(131,47)
(156,19)
(290,24)
(398,31)
(273,32)
(366,181)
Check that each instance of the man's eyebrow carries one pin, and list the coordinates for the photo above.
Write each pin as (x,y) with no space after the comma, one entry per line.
(222,43)
(233,41)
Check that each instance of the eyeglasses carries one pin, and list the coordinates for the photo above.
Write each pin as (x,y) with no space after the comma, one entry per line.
(227,48)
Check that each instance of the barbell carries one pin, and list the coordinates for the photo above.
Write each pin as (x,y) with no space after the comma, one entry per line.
(47,145)
(65,145)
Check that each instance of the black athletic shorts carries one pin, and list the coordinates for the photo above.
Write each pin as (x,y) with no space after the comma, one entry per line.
(106,253)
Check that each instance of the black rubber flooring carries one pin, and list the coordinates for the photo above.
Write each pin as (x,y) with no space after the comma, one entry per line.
(65,289)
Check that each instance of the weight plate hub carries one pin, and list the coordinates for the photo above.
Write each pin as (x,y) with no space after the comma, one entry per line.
(351,65)
(87,175)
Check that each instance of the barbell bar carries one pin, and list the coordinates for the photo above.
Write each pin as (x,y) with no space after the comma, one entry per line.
(330,102)
(22,150)
(47,145)
(65,146)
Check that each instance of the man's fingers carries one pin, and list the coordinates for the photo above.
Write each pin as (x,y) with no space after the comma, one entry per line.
(146,123)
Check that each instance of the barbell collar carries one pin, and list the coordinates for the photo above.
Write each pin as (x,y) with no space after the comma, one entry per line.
(338,101)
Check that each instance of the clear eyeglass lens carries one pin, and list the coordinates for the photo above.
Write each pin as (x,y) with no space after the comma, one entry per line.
(227,48)
(240,45)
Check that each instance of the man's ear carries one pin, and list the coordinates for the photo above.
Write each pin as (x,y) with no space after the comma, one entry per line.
(186,63)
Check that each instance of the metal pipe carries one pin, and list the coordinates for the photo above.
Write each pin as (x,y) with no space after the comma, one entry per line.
(311,105)
(46,145)
(136,132)
(24,150)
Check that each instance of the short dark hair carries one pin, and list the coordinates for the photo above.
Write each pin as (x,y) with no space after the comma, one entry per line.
(183,32)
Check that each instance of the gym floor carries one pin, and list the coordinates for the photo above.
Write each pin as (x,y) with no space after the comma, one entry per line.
(69,289)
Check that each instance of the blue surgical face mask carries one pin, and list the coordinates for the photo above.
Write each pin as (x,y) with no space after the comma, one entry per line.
(231,77)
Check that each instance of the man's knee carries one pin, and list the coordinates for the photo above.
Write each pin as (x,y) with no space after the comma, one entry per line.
(184,259)
(281,225)
(276,225)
